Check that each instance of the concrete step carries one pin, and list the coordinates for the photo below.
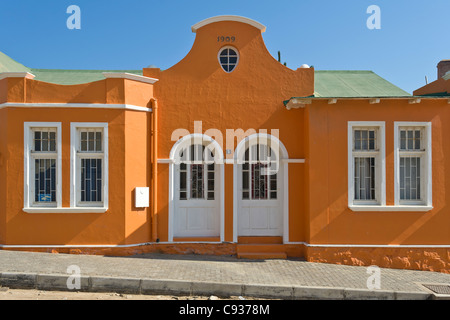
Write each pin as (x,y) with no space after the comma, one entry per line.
(260,248)
(260,240)
(261,255)
(261,251)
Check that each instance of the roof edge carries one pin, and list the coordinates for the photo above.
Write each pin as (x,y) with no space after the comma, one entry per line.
(129,76)
(249,21)
(23,74)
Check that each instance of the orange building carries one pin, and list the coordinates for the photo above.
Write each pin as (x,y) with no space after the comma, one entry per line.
(226,152)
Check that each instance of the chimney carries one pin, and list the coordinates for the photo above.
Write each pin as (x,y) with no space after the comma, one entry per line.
(443,67)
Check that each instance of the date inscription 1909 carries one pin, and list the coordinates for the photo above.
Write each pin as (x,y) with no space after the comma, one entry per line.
(226,39)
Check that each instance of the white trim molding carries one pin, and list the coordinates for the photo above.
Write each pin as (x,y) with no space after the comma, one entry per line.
(306,244)
(231,161)
(75,105)
(248,21)
(129,76)
(27,75)
(66,210)
(395,208)
(419,246)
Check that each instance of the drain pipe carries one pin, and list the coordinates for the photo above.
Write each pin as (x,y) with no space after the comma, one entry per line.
(154,215)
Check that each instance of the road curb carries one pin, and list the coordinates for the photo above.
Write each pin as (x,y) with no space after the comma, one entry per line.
(58,282)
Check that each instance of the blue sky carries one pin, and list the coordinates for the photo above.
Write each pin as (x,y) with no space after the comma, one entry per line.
(328,34)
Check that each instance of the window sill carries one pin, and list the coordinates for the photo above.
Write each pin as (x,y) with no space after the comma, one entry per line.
(65,210)
(379,208)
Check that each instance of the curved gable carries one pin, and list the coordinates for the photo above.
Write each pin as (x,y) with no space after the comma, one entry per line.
(248,21)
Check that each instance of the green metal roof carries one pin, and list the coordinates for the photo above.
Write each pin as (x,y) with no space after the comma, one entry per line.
(332,84)
(69,77)
(66,77)
(9,65)
(353,84)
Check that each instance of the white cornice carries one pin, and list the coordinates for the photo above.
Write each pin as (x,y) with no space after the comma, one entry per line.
(75,105)
(251,22)
(129,76)
(27,75)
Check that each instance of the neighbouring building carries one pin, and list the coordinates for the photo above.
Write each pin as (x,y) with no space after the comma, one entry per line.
(228,152)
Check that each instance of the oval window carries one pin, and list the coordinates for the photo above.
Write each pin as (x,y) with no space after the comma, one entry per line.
(228,58)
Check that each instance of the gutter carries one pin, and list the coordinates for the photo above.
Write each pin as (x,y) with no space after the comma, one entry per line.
(154,213)
(301,102)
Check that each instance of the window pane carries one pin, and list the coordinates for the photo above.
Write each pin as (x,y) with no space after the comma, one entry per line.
(91,180)
(364,140)
(183,181)
(228,59)
(45,180)
(410,180)
(417,140)
(91,141)
(37,141)
(45,141)
(410,140)
(402,139)
(98,141)
(197,181)
(259,182)
(245,182)
(364,183)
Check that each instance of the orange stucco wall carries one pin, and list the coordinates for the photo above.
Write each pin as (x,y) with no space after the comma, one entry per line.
(331,221)
(128,161)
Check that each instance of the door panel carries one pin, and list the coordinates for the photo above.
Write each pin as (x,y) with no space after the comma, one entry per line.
(196,217)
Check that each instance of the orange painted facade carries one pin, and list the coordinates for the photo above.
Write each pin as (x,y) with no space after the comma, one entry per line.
(316,221)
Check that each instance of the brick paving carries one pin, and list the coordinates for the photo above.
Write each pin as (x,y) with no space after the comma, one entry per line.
(223,269)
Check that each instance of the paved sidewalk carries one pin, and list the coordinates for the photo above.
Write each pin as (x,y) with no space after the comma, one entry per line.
(211,275)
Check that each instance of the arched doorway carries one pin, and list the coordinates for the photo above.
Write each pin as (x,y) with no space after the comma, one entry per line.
(196,188)
(260,187)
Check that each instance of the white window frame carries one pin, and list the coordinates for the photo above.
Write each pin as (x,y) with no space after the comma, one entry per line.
(237,61)
(75,163)
(29,191)
(380,165)
(426,164)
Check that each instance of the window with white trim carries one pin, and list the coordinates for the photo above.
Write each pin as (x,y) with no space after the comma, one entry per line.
(89,165)
(42,150)
(413,163)
(366,163)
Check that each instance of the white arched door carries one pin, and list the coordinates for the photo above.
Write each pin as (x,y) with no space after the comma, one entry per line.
(259,188)
(196,190)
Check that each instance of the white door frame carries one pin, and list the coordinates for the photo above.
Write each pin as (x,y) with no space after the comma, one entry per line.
(283,155)
(218,158)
